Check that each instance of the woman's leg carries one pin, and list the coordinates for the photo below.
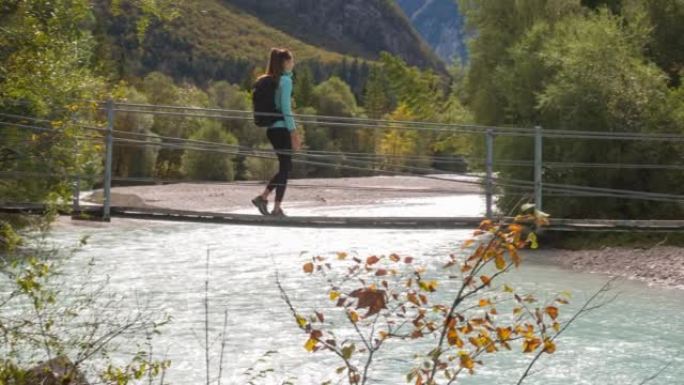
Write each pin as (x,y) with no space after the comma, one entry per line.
(282,144)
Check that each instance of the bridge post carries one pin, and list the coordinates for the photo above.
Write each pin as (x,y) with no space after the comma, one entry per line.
(77,194)
(538,138)
(489,166)
(109,143)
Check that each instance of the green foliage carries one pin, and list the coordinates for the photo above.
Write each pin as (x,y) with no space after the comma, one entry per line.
(203,165)
(334,97)
(564,66)
(133,159)
(377,98)
(45,322)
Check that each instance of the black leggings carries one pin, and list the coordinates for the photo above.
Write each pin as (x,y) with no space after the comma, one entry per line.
(282,142)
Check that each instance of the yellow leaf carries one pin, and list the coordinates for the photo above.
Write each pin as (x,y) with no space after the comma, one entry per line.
(556,327)
(308,267)
(334,295)
(468,243)
(301,321)
(500,262)
(484,302)
(341,255)
(504,334)
(428,285)
(507,289)
(532,240)
(353,316)
(310,345)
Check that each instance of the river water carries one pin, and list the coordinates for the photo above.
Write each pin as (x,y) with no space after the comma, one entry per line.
(624,342)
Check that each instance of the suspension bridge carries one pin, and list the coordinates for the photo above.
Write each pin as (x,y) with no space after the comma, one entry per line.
(487,184)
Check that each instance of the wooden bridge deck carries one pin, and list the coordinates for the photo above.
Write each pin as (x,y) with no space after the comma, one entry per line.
(416,223)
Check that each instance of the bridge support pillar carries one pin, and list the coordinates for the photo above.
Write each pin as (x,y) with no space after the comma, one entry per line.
(538,140)
(109,144)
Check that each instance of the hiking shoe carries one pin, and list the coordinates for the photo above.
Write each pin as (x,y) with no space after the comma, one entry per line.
(261,204)
(278,213)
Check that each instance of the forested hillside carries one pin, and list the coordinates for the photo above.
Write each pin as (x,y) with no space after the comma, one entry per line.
(442,26)
(356,27)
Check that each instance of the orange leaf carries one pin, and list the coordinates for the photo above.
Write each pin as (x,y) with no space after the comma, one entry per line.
(531,344)
(394,258)
(308,267)
(485,280)
(466,361)
(485,302)
(372,260)
(552,311)
(549,346)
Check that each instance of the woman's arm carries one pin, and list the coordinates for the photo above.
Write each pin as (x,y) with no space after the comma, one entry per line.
(286,102)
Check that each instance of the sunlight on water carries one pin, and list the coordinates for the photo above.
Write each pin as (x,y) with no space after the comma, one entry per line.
(622,343)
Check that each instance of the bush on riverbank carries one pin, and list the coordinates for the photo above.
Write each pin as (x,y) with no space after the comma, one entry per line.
(214,165)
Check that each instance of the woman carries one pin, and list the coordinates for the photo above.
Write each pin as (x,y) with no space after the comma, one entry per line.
(282,134)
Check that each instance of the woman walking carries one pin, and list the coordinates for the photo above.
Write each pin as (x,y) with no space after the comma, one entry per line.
(276,86)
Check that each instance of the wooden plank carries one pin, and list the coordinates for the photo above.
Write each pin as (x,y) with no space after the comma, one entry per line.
(418,223)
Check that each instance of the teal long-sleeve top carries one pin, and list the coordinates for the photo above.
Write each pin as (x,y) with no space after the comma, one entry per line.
(283,102)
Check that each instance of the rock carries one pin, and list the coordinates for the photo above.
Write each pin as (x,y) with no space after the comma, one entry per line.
(58,371)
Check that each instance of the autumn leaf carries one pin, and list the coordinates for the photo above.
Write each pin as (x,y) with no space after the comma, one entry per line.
(466,361)
(549,346)
(342,255)
(485,280)
(428,286)
(531,344)
(408,260)
(484,302)
(348,351)
(381,272)
(308,267)
(532,240)
(320,316)
(310,345)
(468,243)
(372,299)
(353,316)
(394,258)
(556,327)
(515,257)
(453,338)
(413,298)
(504,334)
(552,311)
(301,321)
(334,294)
(372,260)
(507,289)
(500,261)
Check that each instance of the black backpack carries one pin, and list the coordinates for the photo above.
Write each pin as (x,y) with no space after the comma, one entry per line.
(263,102)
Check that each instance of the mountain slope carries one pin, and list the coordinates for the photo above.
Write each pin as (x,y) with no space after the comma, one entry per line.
(441,25)
(355,27)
